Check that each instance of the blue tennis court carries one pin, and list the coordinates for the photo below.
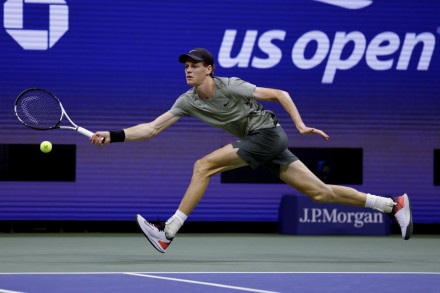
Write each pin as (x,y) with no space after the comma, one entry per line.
(263,282)
(126,262)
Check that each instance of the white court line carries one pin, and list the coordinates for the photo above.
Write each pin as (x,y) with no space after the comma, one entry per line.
(202,283)
(212,272)
(8,291)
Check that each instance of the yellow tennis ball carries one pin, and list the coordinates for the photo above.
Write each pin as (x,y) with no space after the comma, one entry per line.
(46,146)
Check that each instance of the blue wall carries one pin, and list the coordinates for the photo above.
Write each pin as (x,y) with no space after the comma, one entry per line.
(368,75)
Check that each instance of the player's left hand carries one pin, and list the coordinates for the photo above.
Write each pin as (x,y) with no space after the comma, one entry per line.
(311,130)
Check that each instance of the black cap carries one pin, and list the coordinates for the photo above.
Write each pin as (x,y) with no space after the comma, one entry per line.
(198,54)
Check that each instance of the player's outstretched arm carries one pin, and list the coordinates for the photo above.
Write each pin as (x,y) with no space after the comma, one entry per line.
(138,132)
(283,97)
(147,130)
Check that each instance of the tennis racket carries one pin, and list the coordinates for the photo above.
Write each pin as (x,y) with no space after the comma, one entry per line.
(41,110)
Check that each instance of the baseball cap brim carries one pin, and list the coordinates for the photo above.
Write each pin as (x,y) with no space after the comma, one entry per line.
(184,57)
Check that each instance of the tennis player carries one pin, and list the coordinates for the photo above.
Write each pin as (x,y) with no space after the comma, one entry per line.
(234,105)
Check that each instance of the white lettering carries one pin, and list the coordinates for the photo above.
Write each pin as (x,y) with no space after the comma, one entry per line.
(329,217)
(383,44)
(335,62)
(298,51)
(411,40)
(274,53)
(358,219)
(343,53)
(316,214)
(305,217)
(243,58)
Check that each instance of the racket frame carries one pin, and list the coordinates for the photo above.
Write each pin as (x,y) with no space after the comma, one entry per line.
(74,127)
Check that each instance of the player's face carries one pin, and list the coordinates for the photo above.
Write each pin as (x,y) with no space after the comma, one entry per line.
(196,72)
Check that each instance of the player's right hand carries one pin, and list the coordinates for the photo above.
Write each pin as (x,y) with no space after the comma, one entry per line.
(100,138)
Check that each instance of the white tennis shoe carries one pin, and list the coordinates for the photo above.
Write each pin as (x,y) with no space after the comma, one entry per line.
(402,215)
(154,233)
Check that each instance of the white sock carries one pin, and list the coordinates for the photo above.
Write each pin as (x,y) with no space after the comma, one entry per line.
(174,223)
(382,204)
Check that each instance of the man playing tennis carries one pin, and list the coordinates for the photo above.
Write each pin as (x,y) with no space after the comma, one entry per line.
(233,105)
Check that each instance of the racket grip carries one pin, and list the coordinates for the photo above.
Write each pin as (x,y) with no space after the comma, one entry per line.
(84,131)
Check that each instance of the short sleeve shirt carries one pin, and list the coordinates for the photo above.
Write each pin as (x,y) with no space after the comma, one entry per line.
(233,107)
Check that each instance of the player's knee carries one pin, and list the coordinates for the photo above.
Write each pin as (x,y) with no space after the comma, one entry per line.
(201,168)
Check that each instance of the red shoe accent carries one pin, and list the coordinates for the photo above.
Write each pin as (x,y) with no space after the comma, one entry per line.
(164,244)
(400,203)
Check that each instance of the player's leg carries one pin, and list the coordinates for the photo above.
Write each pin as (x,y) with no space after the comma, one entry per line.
(221,160)
(257,147)
(297,175)
(160,235)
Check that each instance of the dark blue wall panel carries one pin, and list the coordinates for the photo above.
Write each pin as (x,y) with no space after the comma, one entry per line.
(367,74)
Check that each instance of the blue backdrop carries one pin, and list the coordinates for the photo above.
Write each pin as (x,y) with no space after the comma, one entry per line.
(366,72)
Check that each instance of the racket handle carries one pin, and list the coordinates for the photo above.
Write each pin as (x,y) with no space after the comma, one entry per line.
(84,131)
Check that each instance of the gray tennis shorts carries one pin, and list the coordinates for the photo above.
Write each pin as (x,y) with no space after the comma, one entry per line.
(267,147)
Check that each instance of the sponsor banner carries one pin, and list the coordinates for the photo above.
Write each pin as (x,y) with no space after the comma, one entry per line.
(301,215)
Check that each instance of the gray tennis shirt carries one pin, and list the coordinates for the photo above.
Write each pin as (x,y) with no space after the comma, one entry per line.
(232,108)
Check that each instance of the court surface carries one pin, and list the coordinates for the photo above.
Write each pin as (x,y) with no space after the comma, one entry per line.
(105,262)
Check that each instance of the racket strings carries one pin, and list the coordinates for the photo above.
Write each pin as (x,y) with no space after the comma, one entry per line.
(39,109)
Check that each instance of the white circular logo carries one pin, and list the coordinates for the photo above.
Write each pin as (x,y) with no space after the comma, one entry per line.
(36,39)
